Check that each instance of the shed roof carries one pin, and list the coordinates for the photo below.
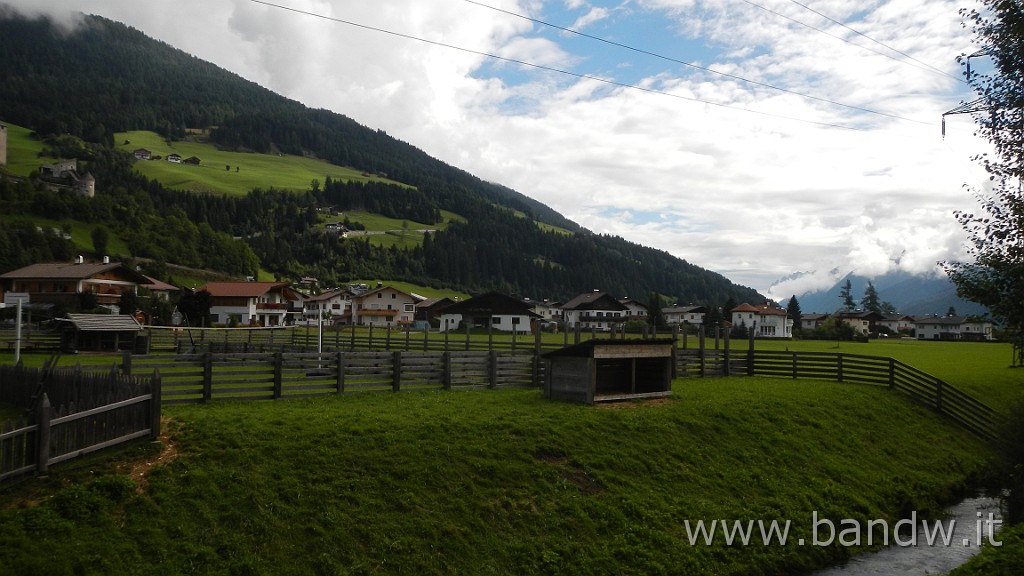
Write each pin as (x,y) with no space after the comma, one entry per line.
(104,322)
(590,347)
(71,271)
(492,303)
(247,289)
(594,301)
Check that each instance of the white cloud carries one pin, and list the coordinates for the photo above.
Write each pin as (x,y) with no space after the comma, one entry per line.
(755,196)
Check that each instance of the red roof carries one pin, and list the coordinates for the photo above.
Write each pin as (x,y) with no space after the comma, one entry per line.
(247,289)
(763,310)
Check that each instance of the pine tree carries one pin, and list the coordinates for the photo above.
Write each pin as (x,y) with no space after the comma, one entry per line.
(870,301)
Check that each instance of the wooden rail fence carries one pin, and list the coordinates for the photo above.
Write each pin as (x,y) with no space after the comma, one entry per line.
(95,411)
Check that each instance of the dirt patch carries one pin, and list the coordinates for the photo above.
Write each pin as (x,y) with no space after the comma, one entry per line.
(139,469)
(570,471)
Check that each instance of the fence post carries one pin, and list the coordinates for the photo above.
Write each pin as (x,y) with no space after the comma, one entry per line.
(340,358)
(675,351)
(467,336)
(387,338)
(43,435)
(702,353)
(426,334)
(156,398)
(492,369)
(278,365)
(207,376)
(726,368)
(892,373)
(750,353)
(536,357)
(396,371)
(126,363)
(938,395)
(839,367)
(795,362)
(446,358)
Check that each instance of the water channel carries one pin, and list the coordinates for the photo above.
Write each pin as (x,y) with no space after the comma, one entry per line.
(922,558)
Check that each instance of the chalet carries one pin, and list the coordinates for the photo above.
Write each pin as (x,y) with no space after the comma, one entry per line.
(634,309)
(812,321)
(384,306)
(191,160)
(862,322)
(594,310)
(952,328)
(548,310)
(159,290)
(253,303)
(767,320)
(174,158)
(63,282)
(430,309)
(492,309)
(896,323)
(679,315)
(331,306)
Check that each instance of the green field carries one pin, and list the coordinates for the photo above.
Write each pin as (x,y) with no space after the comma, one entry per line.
(230,172)
(23,151)
(492,482)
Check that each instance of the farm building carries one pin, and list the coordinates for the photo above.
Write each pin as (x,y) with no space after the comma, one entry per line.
(609,370)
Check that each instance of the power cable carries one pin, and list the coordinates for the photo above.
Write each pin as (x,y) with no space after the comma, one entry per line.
(553,69)
(884,45)
(691,65)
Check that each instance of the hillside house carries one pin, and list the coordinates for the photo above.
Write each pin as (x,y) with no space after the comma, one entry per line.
(62,282)
(430,309)
(331,306)
(493,309)
(142,154)
(384,306)
(679,315)
(63,176)
(594,310)
(767,320)
(252,303)
(547,310)
(193,160)
(174,158)
(952,328)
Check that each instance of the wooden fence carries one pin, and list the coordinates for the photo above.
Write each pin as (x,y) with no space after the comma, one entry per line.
(933,392)
(190,378)
(93,411)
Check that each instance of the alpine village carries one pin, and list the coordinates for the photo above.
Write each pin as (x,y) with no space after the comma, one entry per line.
(202,282)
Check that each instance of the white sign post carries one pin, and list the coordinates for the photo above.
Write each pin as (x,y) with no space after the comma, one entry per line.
(17,298)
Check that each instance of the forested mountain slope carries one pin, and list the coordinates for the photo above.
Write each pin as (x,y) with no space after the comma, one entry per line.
(105,77)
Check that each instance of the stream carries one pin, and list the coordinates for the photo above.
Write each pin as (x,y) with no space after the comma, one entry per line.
(922,558)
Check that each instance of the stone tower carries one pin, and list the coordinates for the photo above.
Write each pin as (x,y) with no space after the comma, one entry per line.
(3,145)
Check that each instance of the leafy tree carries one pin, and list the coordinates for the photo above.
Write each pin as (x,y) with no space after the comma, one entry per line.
(870,301)
(195,306)
(129,303)
(846,294)
(994,275)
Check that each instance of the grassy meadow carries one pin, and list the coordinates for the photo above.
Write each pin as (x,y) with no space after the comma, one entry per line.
(254,170)
(490,482)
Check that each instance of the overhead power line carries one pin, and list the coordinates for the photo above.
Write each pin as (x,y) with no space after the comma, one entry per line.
(882,44)
(691,65)
(921,66)
(557,70)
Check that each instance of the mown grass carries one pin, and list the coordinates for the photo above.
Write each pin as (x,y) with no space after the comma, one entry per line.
(23,151)
(496,482)
(254,170)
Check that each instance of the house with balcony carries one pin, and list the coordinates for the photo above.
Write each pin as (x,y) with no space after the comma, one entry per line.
(634,309)
(952,328)
(812,322)
(491,310)
(332,307)
(63,282)
(594,310)
(679,315)
(766,320)
(252,303)
(863,322)
(384,306)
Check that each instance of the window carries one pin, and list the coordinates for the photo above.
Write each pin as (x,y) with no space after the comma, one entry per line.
(393,295)
(410,308)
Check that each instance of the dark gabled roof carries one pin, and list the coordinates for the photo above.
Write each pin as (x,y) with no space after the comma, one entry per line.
(684,310)
(493,304)
(367,294)
(104,322)
(586,348)
(327,295)
(72,271)
(594,301)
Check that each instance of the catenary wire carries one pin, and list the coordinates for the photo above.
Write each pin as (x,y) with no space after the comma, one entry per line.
(550,68)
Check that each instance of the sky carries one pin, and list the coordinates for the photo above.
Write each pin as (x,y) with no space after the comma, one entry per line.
(781,143)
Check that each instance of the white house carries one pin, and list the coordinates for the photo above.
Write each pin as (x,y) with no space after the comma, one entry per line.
(952,328)
(678,315)
(331,306)
(253,303)
(767,320)
(596,310)
(500,312)
(634,309)
(383,306)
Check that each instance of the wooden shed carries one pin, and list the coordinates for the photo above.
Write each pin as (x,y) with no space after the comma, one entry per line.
(609,370)
(100,332)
